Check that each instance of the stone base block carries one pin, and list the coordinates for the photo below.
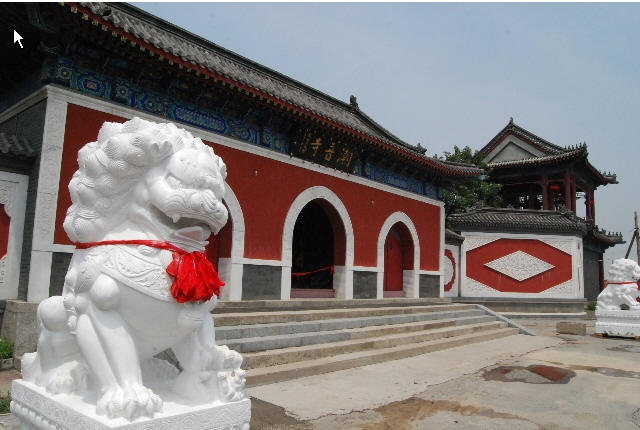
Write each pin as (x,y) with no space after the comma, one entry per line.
(622,323)
(572,327)
(20,327)
(38,409)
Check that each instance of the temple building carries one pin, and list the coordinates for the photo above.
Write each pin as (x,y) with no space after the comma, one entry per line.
(323,201)
(536,245)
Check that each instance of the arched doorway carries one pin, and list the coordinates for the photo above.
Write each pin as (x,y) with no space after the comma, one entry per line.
(220,244)
(226,249)
(318,246)
(343,240)
(398,258)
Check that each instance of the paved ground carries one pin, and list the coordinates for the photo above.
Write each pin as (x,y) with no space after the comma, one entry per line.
(521,382)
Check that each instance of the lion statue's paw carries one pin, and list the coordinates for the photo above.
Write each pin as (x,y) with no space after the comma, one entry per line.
(231,383)
(132,402)
(70,377)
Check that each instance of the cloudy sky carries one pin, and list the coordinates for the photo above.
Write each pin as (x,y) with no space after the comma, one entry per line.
(452,74)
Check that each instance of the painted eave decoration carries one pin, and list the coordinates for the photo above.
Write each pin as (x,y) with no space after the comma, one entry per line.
(195,55)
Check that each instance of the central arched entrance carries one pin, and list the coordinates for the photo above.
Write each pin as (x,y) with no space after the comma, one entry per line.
(318,247)
(343,243)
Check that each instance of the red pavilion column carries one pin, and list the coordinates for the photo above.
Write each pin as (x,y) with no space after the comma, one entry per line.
(589,203)
(573,194)
(567,190)
(545,192)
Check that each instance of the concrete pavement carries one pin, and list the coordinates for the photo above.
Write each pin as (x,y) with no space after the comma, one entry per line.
(379,384)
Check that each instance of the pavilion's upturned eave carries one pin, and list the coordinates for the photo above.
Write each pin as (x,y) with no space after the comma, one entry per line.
(579,153)
(607,239)
(546,160)
(117,21)
(605,179)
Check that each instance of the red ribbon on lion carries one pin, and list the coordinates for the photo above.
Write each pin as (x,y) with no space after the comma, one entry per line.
(194,277)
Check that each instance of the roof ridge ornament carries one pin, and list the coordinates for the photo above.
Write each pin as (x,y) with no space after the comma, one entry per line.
(353,102)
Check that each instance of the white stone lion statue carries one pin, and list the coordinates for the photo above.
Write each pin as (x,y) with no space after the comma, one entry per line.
(145,199)
(622,289)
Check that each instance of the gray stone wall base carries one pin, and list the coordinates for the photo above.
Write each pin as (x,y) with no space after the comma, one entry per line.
(20,327)
(365,285)
(261,282)
(591,268)
(59,265)
(429,286)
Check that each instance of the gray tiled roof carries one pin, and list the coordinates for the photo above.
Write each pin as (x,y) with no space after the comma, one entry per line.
(206,54)
(15,145)
(452,237)
(513,128)
(531,221)
(200,52)
(518,221)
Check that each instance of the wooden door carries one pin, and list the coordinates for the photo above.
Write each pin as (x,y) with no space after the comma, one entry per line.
(393,262)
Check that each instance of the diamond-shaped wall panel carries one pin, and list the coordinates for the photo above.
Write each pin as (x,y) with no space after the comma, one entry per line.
(519,265)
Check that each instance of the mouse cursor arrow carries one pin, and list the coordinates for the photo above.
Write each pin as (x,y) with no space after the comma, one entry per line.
(17,38)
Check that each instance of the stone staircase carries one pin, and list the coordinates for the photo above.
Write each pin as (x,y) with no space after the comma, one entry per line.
(287,340)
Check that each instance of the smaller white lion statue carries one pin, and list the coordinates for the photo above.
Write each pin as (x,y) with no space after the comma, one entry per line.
(622,291)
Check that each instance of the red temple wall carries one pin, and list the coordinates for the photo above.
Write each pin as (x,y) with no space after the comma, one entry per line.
(265,189)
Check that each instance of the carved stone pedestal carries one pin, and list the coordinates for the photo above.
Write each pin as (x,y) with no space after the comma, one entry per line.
(38,409)
(624,323)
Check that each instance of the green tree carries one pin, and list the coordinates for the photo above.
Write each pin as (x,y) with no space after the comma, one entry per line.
(458,197)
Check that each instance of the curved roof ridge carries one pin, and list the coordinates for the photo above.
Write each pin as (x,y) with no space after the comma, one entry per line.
(232,65)
(521,131)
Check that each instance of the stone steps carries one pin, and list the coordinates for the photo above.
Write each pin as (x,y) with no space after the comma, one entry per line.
(546,315)
(311,352)
(225,333)
(300,369)
(284,343)
(262,343)
(250,318)
(305,304)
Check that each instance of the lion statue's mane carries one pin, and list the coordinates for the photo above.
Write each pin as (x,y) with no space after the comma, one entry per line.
(109,168)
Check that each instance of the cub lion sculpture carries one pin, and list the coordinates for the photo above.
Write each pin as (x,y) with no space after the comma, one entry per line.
(145,199)
(622,290)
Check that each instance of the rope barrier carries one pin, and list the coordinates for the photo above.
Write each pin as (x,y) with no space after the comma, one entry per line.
(299,274)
